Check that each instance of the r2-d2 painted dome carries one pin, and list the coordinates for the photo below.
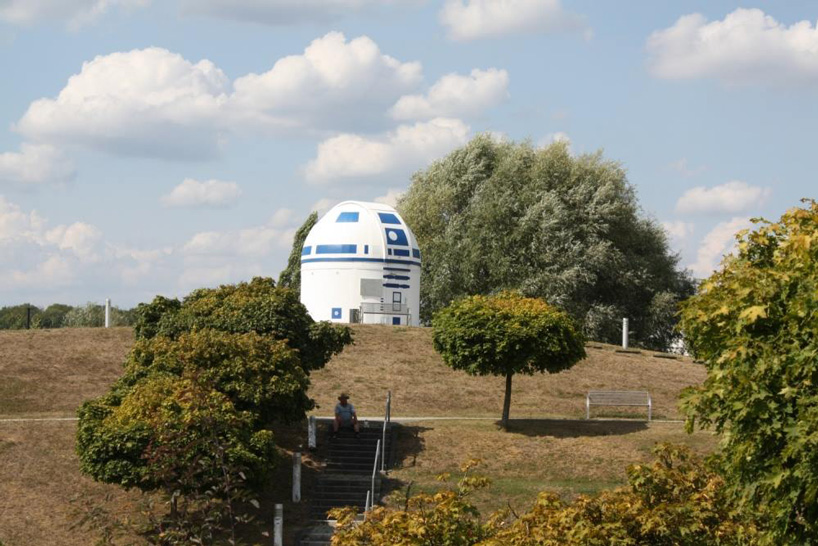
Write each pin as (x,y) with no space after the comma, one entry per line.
(361,263)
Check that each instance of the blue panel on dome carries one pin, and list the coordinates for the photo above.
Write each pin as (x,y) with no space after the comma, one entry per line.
(395,285)
(401,252)
(306,251)
(336,312)
(336,249)
(395,321)
(388,218)
(396,237)
(397,277)
(347,217)
(366,249)
(416,253)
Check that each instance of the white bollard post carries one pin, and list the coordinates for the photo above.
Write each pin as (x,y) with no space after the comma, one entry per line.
(107,312)
(311,443)
(278,526)
(297,476)
(624,333)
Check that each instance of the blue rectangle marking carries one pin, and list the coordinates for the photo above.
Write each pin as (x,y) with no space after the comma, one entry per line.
(396,269)
(347,217)
(306,251)
(336,312)
(396,237)
(388,218)
(366,249)
(336,249)
(379,260)
(397,277)
(402,252)
(416,253)
(395,321)
(394,285)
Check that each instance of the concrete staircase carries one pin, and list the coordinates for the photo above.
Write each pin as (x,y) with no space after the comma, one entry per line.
(345,480)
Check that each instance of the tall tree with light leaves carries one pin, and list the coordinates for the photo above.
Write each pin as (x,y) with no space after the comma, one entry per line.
(290,277)
(496,215)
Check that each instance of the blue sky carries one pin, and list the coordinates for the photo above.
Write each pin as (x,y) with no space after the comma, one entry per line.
(155,147)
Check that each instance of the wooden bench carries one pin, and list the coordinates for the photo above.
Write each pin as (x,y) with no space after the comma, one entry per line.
(618,398)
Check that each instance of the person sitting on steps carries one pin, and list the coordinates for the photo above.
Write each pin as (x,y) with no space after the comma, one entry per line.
(345,416)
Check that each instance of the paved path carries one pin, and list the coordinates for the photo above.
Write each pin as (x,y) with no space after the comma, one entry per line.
(396,419)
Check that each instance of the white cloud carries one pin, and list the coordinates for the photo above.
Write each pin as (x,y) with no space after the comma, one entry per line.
(716,244)
(142,102)
(282,217)
(257,241)
(322,206)
(682,167)
(406,148)
(551,138)
(74,13)
(455,95)
(80,238)
(678,231)
(36,164)
(475,19)
(731,198)
(747,46)
(391,197)
(209,194)
(284,12)
(334,83)
(155,103)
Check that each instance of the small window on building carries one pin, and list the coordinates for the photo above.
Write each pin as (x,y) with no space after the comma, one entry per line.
(347,217)
(396,301)
(388,218)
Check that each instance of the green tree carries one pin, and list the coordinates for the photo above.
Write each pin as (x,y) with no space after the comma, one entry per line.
(14,317)
(568,229)
(755,324)
(505,335)
(290,277)
(53,316)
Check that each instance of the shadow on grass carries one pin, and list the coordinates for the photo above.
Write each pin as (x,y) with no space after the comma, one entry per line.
(560,428)
(408,443)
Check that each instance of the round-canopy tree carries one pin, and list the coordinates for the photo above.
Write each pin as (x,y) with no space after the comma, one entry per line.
(755,324)
(497,216)
(504,335)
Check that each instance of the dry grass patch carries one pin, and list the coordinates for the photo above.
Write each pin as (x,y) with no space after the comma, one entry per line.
(568,457)
(404,360)
(51,372)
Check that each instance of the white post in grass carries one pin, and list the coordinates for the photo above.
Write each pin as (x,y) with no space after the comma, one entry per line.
(278,525)
(624,333)
(311,443)
(107,312)
(297,476)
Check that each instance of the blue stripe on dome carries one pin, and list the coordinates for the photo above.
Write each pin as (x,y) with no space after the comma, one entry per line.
(336,249)
(388,218)
(347,217)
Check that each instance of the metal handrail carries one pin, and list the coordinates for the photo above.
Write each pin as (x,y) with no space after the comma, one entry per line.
(387,417)
(370,495)
(380,453)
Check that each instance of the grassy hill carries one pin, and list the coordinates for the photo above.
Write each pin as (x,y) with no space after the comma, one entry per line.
(47,373)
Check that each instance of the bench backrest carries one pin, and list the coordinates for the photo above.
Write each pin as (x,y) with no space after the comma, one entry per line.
(619,398)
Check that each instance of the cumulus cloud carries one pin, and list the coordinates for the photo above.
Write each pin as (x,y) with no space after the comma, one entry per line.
(455,95)
(334,83)
(475,19)
(209,194)
(731,198)
(678,231)
(255,241)
(74,13)
(683,167)
(142,102)
(36,164)
(284,12)
(551,138)
(716,244)
(391,197)
(747,46)
(406,148)
(152,102)
(323,205)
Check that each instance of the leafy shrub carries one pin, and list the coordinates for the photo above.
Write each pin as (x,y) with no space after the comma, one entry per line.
(755,324)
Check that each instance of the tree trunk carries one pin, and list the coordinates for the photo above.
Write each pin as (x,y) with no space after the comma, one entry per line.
(507,402)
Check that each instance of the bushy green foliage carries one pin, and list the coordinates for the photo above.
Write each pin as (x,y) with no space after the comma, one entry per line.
(217,369)
(676,501)
(92,315)
(504,335)
(14,317)
(53,316)
(257,306)
(568,229)
(755,324)
(59,315)
(290,277)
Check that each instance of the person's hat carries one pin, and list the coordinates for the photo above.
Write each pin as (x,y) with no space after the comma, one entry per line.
(344,396)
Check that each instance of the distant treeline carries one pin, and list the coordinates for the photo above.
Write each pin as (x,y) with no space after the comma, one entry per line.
(59,315)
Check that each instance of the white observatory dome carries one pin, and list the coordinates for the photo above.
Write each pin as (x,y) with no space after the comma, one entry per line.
(361,263)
